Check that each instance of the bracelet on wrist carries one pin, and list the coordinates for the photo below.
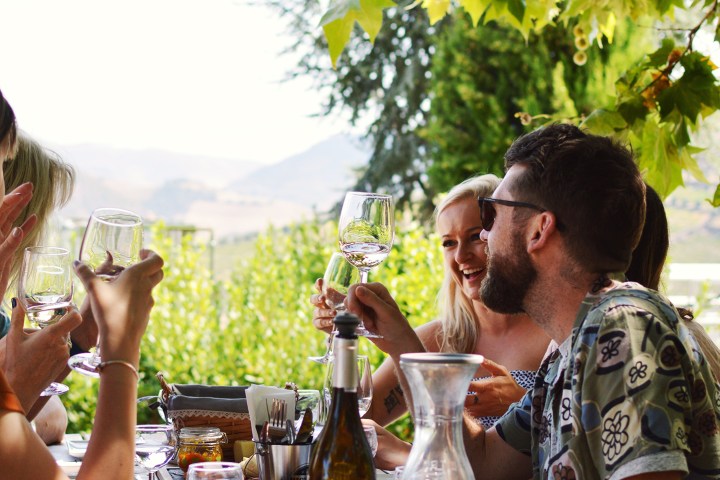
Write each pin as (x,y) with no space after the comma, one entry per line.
(129,365)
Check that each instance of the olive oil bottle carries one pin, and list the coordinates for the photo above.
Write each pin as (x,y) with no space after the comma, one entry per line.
(342,451)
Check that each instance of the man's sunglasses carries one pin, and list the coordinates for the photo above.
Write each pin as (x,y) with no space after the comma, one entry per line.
(488,213)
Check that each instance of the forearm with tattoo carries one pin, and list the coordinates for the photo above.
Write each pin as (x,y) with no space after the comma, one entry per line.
(394,399)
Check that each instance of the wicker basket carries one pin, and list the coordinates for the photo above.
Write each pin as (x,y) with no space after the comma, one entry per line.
(235,425)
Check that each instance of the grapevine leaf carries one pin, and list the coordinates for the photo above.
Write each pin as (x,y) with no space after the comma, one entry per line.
(693,90)
(604,122)
(660,56)
(689,163)
(436,9)
(715,201)
(475,8)
(370,16)
(339,10)
(632,108)
(659,157)
(517,9)
(338,33)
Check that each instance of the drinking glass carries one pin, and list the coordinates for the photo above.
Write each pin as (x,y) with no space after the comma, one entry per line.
(365,232)
(111,243)
(154,447)
(364,386)
(214,471)
(339,275)
(45,289)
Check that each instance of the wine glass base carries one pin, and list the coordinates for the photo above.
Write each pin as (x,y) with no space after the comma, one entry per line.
(361,331)
(85,363)
(55,389)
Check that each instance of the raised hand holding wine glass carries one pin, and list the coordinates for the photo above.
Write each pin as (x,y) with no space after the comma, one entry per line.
(45,289)
(111,243)
(366,230)
(339,275)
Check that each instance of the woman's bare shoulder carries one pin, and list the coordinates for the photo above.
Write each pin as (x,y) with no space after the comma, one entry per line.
(429,334)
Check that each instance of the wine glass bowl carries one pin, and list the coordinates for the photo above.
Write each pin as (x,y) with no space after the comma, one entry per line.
(154,447)
(215,471)
(111,243)
(45,289)
(338,277)
(365,233)
(364,384)
(366,230)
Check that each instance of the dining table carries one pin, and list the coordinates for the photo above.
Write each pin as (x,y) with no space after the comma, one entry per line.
(71,464)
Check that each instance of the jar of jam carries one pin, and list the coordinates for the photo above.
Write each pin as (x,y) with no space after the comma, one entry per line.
(199,444)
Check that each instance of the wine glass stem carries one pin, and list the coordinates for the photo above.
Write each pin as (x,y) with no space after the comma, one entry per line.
(95,359)
(363,275)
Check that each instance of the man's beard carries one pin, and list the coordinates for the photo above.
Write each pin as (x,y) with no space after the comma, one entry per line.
(508,279)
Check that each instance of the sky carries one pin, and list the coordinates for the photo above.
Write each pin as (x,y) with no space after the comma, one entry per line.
(189,76)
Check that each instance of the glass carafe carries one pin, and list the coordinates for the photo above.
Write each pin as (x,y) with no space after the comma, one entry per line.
(439,383)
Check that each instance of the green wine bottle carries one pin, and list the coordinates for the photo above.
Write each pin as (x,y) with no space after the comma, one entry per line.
(342,451)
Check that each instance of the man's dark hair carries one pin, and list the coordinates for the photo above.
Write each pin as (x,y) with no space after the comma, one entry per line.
(7,121)
(593,187)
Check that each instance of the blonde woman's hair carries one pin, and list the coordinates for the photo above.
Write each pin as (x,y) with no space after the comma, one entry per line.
(459,322)
(53,182)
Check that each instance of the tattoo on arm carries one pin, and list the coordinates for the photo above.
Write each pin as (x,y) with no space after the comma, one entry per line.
(394,399)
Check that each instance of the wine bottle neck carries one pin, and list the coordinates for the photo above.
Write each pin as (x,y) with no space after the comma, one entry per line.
(345,370)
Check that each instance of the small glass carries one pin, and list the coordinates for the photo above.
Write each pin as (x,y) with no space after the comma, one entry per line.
(398,473)
(215,471)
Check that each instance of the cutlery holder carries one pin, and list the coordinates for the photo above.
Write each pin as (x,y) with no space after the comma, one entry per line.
(283,462)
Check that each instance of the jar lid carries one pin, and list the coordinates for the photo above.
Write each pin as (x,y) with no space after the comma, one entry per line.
(201,433)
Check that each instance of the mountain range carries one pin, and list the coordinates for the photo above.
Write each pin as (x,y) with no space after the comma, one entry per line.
(231,197)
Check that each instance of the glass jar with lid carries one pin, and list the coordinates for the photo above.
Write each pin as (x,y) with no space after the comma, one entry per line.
(199,444)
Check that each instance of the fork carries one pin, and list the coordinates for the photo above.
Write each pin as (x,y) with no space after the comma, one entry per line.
(277,428)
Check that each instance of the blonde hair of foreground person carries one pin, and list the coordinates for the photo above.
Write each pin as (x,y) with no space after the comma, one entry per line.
(457,314)
(53,183)
(122,309)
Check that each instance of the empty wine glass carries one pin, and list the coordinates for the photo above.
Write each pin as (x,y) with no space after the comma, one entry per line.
(364,385)
(154,447)
(339,275)
(372,438)
(215,471)
(111,243)
(45,288)
(365,232)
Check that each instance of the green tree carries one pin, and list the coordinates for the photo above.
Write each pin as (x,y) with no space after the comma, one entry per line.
(487,84)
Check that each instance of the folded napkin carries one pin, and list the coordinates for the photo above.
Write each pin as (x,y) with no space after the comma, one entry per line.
(207,397)
(259,401)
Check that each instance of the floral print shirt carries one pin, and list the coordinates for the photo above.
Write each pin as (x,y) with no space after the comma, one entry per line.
(628,393)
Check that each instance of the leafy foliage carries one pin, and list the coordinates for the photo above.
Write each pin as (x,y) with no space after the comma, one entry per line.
(481,77)
(256,327)
(658,102)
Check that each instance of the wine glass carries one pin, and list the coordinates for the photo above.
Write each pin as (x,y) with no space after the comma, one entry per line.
(215,471)
(372,438)
(364,385)
(365,233)
(339,275)
(154,447)
(45,288)
(112,242)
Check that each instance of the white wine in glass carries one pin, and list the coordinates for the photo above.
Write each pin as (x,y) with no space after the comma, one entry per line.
(45,288)
(365,233)
(111,243)
(366,230)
